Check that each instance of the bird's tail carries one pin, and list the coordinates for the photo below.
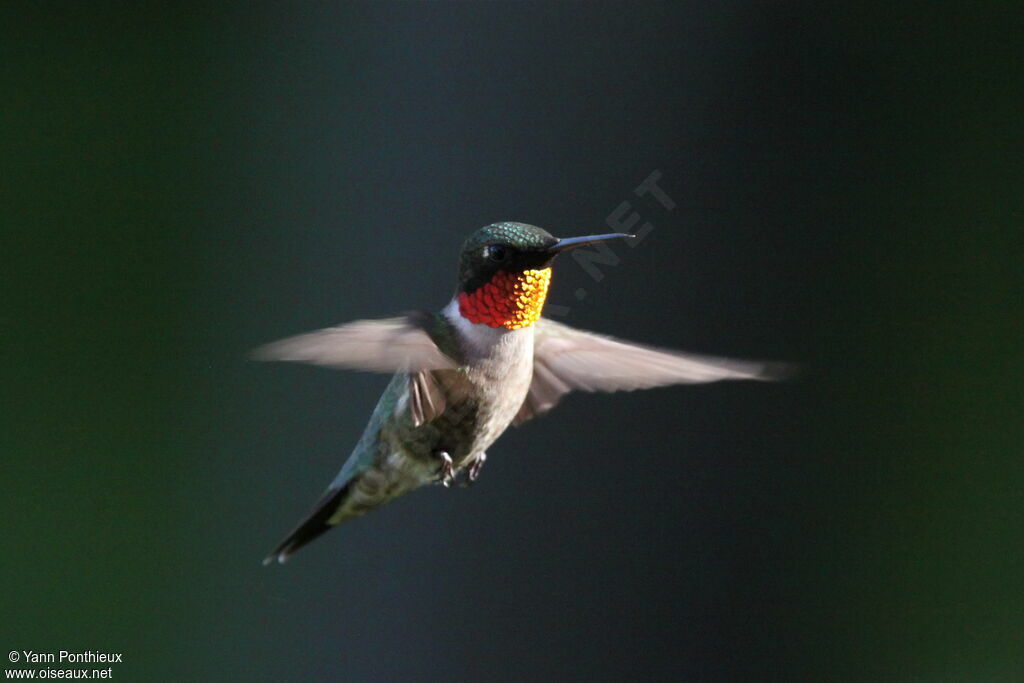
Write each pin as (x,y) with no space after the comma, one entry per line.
(315,524)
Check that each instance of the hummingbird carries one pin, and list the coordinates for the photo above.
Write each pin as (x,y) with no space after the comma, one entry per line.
(463,375)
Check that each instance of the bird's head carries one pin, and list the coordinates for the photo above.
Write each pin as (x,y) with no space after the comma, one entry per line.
(505,271)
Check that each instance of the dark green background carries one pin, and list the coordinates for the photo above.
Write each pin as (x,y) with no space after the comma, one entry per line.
(182,183)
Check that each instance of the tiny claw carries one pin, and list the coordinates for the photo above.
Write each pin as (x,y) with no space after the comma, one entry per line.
(446,473)
(474,469)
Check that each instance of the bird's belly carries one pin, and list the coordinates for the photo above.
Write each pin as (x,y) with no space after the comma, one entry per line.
(408,455)
(494,419)
(399,472)
(496,406)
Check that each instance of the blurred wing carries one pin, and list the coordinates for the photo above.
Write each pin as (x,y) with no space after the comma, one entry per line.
(402,344)
(426,398)
(567,359)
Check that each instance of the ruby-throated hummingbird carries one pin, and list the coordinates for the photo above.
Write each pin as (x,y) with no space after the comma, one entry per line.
(463,375)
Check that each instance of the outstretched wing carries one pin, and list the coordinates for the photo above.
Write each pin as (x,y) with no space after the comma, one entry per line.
(407,344)
(402,344)
(567,359)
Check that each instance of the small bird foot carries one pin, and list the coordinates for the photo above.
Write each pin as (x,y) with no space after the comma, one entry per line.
(446,473)
(473,471)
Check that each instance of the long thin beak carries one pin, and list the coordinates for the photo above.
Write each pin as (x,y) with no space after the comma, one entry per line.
(567,243)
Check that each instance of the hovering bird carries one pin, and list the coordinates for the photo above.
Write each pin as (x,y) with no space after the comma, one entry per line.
(462,376)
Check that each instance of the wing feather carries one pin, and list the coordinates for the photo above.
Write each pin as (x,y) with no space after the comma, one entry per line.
(401,344)
(426,399)
(567,359)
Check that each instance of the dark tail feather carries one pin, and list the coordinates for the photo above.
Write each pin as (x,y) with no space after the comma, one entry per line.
(312,526)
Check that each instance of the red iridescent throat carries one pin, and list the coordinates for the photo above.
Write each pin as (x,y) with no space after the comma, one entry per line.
(511,299)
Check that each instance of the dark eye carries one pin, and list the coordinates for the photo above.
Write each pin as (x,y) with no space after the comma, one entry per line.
(495,252)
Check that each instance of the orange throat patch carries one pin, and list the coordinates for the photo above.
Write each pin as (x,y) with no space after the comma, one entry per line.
(510,300)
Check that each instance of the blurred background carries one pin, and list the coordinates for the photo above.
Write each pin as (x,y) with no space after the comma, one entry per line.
(183,183)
